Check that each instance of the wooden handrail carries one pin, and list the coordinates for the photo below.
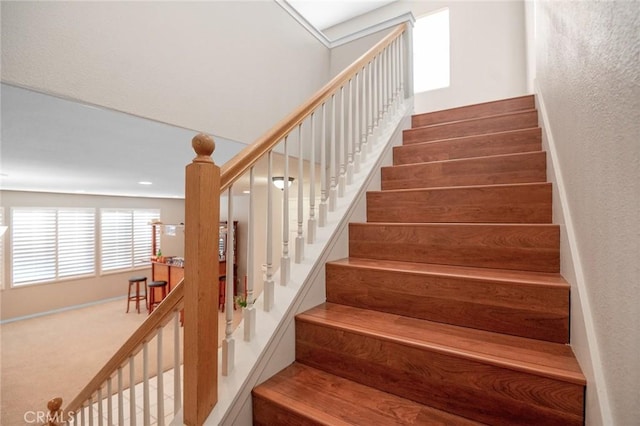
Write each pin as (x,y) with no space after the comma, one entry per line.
(158,318)
(241,162)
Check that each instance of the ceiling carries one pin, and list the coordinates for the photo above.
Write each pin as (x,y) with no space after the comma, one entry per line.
(51,144)
(323,14)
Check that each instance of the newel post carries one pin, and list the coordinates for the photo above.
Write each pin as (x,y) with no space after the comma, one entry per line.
(202,217)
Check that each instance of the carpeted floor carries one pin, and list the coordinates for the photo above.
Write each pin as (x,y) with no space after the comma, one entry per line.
(57,355)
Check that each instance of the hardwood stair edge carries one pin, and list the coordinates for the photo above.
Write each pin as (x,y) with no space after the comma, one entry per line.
(501,362)
(456,138)
(391,402)
(479,104)
(422,269)
(447,123)
(460,187)
(280,399)
(453,160)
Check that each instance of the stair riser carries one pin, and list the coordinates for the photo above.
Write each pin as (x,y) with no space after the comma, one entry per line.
(507,204)
(469,388)
(527,140)
(522,103)
(523,247)
(505,169)
(537,312)
(499,123)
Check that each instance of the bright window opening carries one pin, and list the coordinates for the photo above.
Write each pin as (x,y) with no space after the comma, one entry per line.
(431,52)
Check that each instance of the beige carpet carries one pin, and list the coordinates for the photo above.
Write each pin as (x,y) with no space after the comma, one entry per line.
(57,354)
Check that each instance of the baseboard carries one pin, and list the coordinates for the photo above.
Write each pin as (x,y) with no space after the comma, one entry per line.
(584,338)
(66,308)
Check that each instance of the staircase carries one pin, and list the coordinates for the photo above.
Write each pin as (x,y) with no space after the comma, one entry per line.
(450,309)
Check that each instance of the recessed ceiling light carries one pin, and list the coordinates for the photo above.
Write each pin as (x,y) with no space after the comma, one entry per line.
(144,182)
(79,191)
(246,191)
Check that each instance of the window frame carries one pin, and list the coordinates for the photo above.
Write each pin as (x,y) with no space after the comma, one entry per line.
(59,244)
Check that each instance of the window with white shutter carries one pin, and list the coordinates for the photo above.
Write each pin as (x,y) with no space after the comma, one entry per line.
(48,244)
(125,241)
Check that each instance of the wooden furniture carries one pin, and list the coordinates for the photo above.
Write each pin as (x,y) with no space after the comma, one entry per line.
(172,274)
(153,286)
(137,296)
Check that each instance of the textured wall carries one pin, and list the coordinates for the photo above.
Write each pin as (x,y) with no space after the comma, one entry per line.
(231,68)
(588,73)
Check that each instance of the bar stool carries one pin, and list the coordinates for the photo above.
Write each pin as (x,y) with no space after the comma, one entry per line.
(152,293)
(222,288)
(137,297)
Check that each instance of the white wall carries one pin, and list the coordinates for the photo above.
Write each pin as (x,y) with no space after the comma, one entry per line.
(588,78)
(488,58)
(231,68)
(38,298)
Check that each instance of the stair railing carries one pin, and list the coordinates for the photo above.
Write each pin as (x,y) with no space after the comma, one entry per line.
(112,396)
(338,124)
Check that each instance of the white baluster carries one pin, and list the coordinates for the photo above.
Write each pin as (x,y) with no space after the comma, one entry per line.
(146,415)
(379,89)
(160,379)
(120,399)
(356,127)
(387,80)
(332,157)
(82,410)
(177,380)
(100,411)
(250,311)
(91,410)
(341,157)
(370,113)
(322,220)
(363,113)
(285,260)
(376,92)
(394,78)
(132,393)
(311,226)
(402,44)
(299,237)
(269,284)
(228,344)
(109,402)
(350,147)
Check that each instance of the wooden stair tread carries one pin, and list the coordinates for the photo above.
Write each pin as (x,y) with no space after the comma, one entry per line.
(503,157)
(518,103)
(473,126)
(551,360)
(510,141)
(333,400)
(523,167)
(504,275)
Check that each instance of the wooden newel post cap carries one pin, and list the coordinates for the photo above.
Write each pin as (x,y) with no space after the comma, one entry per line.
(204,146)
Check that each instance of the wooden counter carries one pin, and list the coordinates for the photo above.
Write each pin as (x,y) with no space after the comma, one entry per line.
(172,274)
